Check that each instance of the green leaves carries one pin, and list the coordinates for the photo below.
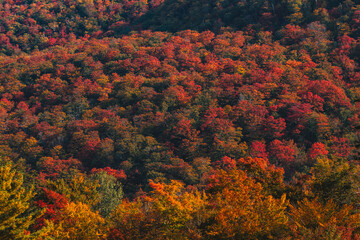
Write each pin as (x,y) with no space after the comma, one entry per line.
(110,191)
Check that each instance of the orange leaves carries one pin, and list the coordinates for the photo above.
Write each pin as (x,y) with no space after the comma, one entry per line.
(77,222)
(232,88)
(180,95)
(192,106)
(54,168)
(292,33)
(170,211)
(333,95)
(258,169)
(240,209)
(312,214)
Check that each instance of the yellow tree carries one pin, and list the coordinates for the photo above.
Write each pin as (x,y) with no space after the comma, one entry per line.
(179,211)
(169,212)
(78,222)
(129,221)
(77,188)
(15,214)
(240,209)
(334,179)
(311,216)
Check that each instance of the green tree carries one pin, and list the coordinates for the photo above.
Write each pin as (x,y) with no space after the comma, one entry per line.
(110,191)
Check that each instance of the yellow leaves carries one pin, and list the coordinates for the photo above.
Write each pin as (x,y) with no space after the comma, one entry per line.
(267,88)
(174,204)
(290,97)
(311,214)
(78,188)
(15,217)
(79,222)
(102,80)
(293,63)
(30,148)
(334,179)
(11,186)
(89,2)
(296,18)
(322,166)
(227,109)
(239,70)
(30,142)
(273,209)
(169,212)
(202,165)
(240,209)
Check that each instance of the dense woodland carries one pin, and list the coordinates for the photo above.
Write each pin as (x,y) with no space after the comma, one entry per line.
(179,119)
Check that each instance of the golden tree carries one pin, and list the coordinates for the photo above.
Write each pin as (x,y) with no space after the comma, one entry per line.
(16,215)
(78,222)
(312,214)
(240,209)
(170,211)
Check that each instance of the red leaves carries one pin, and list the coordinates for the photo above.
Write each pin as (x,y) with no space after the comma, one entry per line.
(296,113)
(292,34)
(53,168)
(274,127)
(316,102)
(258,149)
(147,64)
(178,92)
(340,147)
(89,148)
(118,174)
(192,95)
(79,125)
(317,149)
(282,152)
(46,132)
(86,87)
(345,43)
(333,95)
(215,120)
(54,203)
(183,128)
(225,163)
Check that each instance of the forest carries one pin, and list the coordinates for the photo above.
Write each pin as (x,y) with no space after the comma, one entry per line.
(179,119)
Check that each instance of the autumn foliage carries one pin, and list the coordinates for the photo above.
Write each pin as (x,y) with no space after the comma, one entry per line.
(168,119)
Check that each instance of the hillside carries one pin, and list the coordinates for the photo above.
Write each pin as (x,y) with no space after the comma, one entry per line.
(179,119)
